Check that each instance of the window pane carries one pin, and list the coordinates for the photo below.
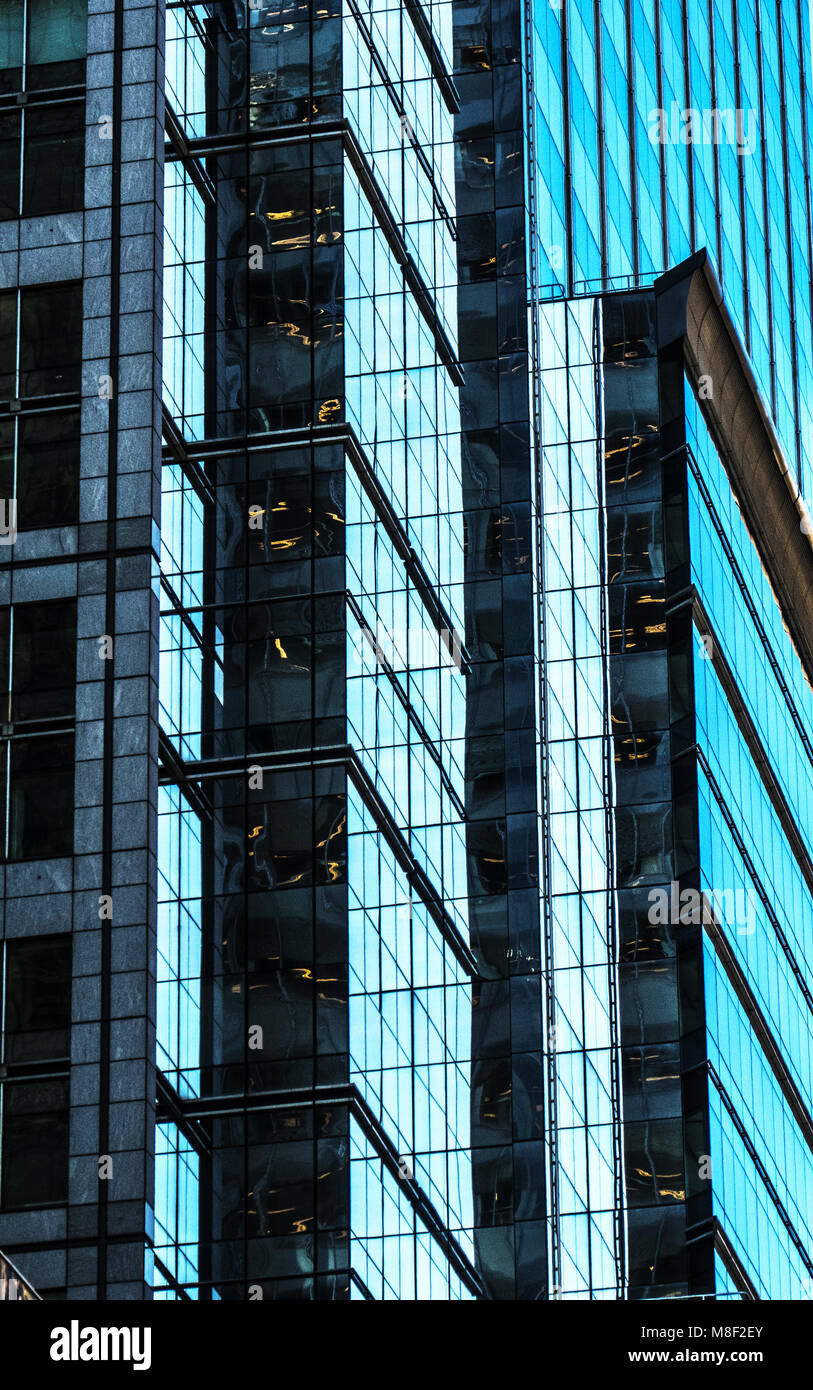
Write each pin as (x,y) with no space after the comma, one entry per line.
(654,1163)
(57,42)
(41,800)
(50,339)
(11,44)
(8,344)
(54,164)
(48,471)
(44,660)
(9,166)
(35,1143)
(38,999)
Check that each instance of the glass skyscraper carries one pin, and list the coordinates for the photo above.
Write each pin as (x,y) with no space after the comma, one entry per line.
(314,969)
(671,270)
(405,634)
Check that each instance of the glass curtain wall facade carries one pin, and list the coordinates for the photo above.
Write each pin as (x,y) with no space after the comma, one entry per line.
(579,908)
(270,592)
(404,436)
(80,226)
(665,127)
(315,979)
(503,796)
(671,631)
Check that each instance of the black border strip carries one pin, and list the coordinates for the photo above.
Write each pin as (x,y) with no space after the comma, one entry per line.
(341,130)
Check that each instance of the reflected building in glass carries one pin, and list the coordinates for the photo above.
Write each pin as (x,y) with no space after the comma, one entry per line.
(405,587)
(237,974)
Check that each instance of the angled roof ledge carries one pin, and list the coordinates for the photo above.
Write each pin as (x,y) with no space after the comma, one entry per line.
(691,307)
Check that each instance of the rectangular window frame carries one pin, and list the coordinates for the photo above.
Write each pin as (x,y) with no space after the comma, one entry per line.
(52,728)
(21,1072)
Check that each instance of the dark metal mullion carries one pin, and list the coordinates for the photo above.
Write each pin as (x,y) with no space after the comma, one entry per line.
(762,1172)
(344,754)
(661,145)
(347,1095)
(715,156)
(314,932)
(21,179)
(244,810)
(411,712)
(567,148)
(201,478)
(601,140)
(765,641)
(735,31)
(406,128)
(808,237)
(760,1025)
(7,741)
(415,10)
(633,145)
(766,218)
(782,78)
(609,830)
(341,130)
(51,1070)
(41,405)
(174,1284)
(46,96)
(3,986)
(24,73)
